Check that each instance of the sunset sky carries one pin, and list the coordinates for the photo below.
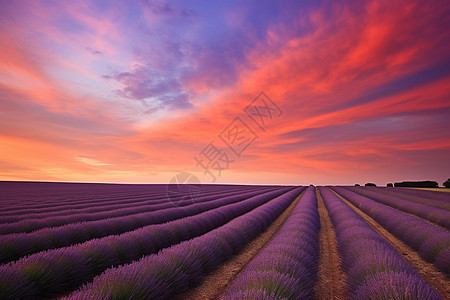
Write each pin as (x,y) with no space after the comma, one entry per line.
(136,91)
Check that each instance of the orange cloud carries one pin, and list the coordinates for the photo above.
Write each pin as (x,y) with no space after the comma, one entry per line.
(363,94)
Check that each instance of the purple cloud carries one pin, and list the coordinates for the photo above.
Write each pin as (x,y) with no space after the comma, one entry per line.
(152,87)
(162,8)
(93,51)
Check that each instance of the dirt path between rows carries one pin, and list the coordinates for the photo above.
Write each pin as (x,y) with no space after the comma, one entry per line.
(427,271)
(330,277)
(216,283)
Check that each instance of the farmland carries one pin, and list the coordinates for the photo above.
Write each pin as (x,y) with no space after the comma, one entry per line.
(107,241)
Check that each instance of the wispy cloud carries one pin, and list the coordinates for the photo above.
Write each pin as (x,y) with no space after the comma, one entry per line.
(92,162)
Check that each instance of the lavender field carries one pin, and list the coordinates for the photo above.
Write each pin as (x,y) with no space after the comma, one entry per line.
(111,241)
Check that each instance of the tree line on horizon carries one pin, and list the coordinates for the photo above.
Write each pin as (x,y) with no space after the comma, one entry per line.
(419,184)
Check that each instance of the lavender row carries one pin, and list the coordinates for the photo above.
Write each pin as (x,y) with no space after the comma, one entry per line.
(434,195)
(374,269)
(52,207)
(42,202)
(178,268)
(37,199)
(103,207)
(96,204)
(57,271)
(17,245)
(432,242)
(287,267)
(433,214)
(24,193)
(106,206)
(417,197)
(90,199)
(62,218)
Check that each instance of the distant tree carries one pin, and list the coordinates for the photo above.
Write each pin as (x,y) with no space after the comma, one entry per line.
(389,185)
(357,184)
(370,184)
(447,183)
(425,184)
(311,185)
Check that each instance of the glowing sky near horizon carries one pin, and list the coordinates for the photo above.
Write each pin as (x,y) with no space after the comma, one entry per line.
(132,91)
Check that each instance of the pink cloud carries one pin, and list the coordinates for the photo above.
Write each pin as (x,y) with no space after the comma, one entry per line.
(363,89)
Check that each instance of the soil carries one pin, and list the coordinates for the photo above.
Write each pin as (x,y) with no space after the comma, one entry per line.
(331,279)
(217,283)
(427,271)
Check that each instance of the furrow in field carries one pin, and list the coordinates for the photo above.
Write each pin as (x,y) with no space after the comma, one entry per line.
(433,214)
(101,207)
(413,198)
(374,269)
(47,273)
(441,194)
(183,266)
(14,246)
(31,194)
(33,224)
(42,204)
(97,205)
(427,271)
(287,267)
(430,241)
(220,279)
(331,278)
